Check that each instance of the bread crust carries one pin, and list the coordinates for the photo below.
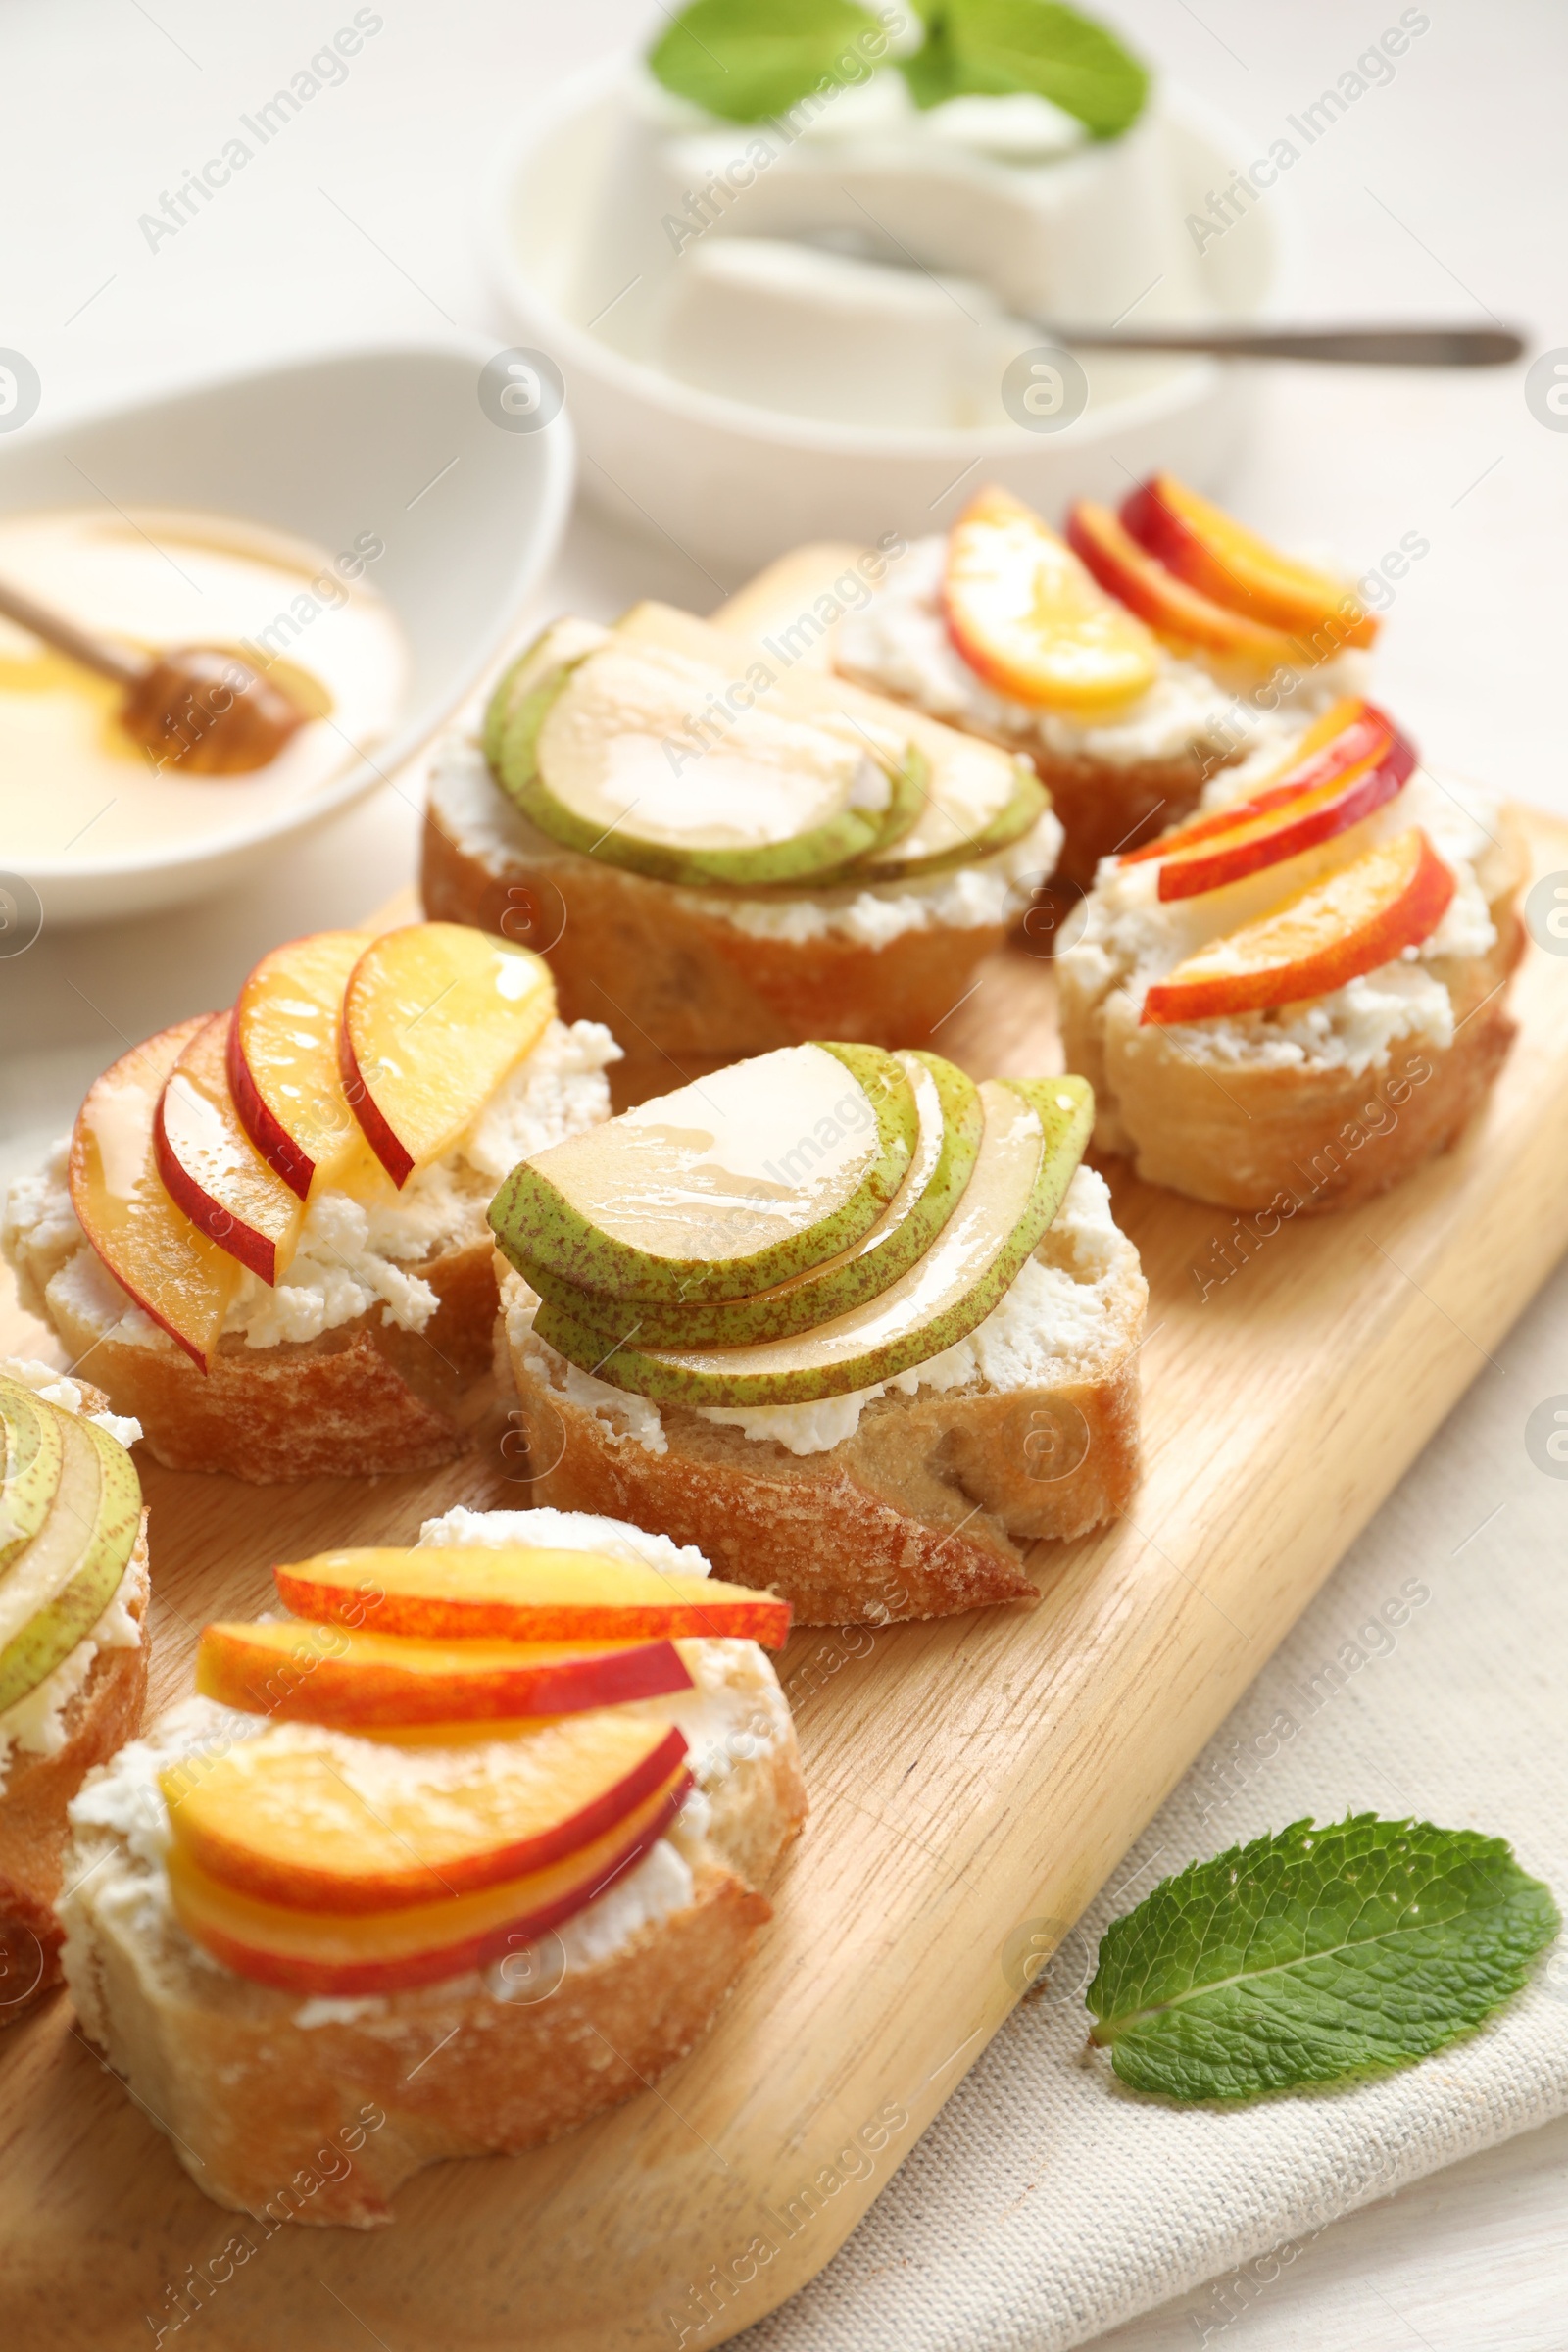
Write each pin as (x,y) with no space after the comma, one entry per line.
(919,1513)
(661,968)
(103,1714)
(1321,1137)
(364,1399)
(278,2119)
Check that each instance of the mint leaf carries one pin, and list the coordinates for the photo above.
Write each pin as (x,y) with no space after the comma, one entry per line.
(748,59)
(1314,1954)
(992,48)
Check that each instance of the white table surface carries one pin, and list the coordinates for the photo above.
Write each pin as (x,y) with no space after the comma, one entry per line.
(1442,195)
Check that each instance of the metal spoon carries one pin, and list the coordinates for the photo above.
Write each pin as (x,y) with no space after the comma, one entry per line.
(196,706)
(1359,346)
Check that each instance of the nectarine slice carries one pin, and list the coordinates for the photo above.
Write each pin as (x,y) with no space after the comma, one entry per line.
(1218,555)
(1318,754)
(1390,897)
(1183,616)
(434,1017)
(302,1817)
(175,1275)
(420,1943)
(465,1592)
(1026,615)
(210,1167)
(1289,822)
(304,1673)
(282,1057)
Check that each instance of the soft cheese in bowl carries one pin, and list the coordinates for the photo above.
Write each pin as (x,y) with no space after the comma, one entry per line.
(796,302)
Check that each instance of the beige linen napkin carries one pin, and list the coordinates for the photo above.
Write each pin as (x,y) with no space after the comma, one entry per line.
(1045,2204)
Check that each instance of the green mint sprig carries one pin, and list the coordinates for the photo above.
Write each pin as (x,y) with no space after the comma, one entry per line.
(745,59)
(1313,1955)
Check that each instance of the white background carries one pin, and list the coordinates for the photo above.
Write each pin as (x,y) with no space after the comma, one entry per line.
(1439,196)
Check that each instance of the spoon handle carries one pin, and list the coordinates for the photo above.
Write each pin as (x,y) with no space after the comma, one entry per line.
(1361,346)
(93,653)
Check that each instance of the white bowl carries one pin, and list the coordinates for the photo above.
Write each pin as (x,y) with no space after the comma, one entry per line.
(736,485)
(321,450)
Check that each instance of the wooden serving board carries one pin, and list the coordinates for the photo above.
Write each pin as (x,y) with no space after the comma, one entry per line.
(969,1780)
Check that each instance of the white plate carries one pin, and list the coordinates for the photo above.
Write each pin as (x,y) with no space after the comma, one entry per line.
(737,486)
(392,441)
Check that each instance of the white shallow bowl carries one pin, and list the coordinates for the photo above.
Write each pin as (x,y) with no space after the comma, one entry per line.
(736,485)
(321,450)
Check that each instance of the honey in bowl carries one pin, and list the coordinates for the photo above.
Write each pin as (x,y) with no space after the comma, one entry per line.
(74,787)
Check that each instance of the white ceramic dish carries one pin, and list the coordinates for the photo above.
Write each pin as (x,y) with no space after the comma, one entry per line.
(392,441)
(736,485)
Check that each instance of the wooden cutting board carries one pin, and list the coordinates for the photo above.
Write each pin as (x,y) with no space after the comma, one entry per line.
(972,1783)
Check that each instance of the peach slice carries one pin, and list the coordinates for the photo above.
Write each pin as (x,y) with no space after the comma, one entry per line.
(418,1943)
(1377,764)
(1182,615)
(1390,897)
(175,1275)
(282,1057)
(445,1593)
(303,1672)
(302,1817)
(434,1017)
(1311,760)
(1027,618)
(210,1168)
(1218,556)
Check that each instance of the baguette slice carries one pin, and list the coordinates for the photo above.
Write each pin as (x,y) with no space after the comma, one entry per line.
(364,1399)
(317,2111)
(919,1513)
(1321,1134)
(36,1790)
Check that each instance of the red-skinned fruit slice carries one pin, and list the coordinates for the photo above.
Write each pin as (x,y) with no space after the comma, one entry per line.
(282,1058)
(210,1167)
(175,1275)
(1267,836)
(434,1018)
(375,1952)
(1179,614)
(1218,555)
(303,1672)
(1027,618)
(445,1593)
(301,1817)
(1325,750)
(1365,914)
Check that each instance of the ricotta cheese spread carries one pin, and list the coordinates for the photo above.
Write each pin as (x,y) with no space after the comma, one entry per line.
(1043,1328)
(353,1255)
(1132,937)
(35,1725)
(899,644)
(476,813)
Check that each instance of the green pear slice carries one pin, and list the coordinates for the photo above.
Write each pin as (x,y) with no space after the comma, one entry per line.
(976,798)
(556,649)
(950,1121)
(647,758)
(29,1466)
(56,1591)
(725,1186)
(1035,1134)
